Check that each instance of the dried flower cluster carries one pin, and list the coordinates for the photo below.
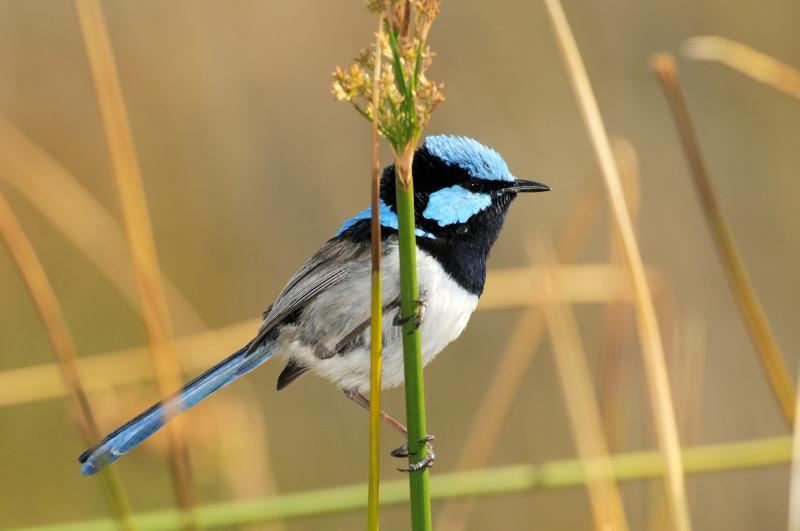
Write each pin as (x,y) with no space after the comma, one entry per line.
(406,97)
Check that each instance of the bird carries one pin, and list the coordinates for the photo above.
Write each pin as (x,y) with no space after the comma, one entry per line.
(320,322)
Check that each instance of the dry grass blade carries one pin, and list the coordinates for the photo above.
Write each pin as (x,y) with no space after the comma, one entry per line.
(584,284)
(649,333)
(61,198)
(139,232)
(768,349)
(486,428)
(750,62)
(579,395)
(618,312)
(688,365)
(106,371)
(46,303)
(242,463)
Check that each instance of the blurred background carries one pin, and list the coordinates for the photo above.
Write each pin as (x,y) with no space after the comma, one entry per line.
(249,165)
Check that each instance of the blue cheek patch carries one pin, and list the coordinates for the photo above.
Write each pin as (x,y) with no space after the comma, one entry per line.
(455,205)
(388,220)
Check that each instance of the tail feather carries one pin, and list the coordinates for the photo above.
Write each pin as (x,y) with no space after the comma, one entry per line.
(132,433)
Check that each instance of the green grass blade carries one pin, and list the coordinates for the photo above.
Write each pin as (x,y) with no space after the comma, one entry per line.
(634,466)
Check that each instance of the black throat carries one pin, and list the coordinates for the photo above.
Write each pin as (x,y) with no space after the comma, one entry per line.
(463,250)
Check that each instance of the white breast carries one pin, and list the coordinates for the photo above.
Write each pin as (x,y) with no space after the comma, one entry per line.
(346,305)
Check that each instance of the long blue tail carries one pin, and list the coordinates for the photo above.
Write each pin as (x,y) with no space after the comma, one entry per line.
(129,435)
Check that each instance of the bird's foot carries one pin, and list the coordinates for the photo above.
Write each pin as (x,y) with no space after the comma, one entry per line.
(418,317)
(426,462)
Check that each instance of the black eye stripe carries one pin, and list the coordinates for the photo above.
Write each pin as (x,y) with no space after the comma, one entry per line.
(480,185)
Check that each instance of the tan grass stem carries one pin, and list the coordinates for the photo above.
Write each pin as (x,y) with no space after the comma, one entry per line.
(586,284)
(752,63)
(593,283)
(139,233)
(649,333)
(618,316)
(58,333)
(86,223)
(755,318)
(583,410)
(105,371)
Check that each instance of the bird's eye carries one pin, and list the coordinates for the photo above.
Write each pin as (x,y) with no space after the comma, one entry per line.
(472,186)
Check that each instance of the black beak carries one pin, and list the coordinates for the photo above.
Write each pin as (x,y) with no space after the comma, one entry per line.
(518,185)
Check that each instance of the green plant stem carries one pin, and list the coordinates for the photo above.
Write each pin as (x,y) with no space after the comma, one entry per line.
(376,306)
(412,343)
(486,482)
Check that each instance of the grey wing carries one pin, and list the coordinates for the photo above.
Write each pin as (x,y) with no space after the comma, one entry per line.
(327,267)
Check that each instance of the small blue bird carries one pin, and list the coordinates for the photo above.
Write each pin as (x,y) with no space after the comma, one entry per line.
(320,321)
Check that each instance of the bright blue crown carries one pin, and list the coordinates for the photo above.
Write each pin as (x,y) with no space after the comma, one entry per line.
(470,155)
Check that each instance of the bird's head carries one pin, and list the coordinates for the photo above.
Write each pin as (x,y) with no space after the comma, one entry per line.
(462,191)
(461,187)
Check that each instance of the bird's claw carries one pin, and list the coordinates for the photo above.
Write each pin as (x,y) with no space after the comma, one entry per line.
(426,462)
(418,318)
(401,452)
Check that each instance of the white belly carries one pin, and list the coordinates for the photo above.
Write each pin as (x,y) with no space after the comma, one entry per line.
(346,305)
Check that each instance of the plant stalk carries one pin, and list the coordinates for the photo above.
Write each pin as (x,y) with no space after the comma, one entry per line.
(139,231)
(583,410)
(755,318)
(412,343)
(752,63)
(44,297)
(566,473)
(649,333)
(376,306)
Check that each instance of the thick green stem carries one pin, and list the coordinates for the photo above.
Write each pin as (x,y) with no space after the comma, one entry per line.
(412,343)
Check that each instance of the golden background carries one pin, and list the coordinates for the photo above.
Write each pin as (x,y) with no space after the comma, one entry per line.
(249,165)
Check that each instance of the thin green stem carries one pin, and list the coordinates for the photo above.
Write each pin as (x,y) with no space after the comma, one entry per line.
(407,89)
(412,343)
(397,65)
(486,482)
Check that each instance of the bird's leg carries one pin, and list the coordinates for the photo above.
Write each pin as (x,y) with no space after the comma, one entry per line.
(395,424)
(363,401)
(418,316)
